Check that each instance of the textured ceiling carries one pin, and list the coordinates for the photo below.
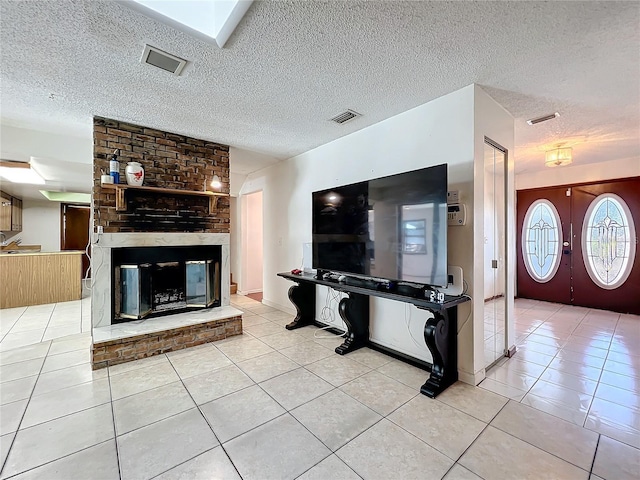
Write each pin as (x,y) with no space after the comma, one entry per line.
(290,66)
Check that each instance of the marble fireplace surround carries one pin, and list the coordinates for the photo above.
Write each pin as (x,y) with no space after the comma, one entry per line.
(101,293)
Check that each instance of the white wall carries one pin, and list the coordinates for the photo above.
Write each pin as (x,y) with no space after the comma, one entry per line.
(577,173)
(242,162)
(438,132)
(235,239)
(448,130)
(41,224)
(252,243)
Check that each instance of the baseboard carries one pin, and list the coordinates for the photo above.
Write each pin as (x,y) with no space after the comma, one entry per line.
(495,297)
(471,378)
(285,308)
(245,292)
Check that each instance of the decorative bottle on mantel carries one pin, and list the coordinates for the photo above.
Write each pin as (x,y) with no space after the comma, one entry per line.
(135,174)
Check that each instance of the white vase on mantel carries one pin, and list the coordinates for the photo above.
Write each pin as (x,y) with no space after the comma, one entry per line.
(134,173)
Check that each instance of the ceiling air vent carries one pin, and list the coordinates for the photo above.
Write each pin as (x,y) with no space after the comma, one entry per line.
(345,116)
(544,118)
(165,61)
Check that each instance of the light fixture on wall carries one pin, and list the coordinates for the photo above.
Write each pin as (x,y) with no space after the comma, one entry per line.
(20,172)
(558,157)
(215,182)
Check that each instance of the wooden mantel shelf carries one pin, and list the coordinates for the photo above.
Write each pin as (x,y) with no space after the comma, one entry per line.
(121,203)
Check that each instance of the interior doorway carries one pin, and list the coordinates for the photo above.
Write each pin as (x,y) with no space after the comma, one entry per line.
(577,244)
(74,230)
(252,249)
(495,247)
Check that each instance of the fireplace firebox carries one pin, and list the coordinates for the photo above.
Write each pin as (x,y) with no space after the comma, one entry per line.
(154,281)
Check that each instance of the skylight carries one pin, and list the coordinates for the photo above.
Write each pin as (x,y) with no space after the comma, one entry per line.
(207,19)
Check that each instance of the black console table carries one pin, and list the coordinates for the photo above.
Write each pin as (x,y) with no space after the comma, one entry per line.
(440,332)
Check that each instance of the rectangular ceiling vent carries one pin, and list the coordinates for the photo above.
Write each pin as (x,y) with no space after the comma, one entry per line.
(544,118)
(345,116)
(165,61)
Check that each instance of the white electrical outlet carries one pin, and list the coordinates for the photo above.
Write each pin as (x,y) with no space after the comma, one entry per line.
(454,281)
(453,196)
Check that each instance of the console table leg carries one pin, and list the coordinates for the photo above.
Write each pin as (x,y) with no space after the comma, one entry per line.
(440,335)
(303,297)
(354,311)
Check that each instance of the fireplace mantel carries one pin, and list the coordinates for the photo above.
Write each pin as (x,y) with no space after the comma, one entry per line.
(121,201)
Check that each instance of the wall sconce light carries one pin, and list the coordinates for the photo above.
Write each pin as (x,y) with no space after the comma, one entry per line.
(558,157)
(215,182)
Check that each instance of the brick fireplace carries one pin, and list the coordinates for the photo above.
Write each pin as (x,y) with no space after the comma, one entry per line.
(174,213)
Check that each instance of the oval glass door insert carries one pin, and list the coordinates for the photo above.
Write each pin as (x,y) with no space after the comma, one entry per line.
(541,240)
(608,234)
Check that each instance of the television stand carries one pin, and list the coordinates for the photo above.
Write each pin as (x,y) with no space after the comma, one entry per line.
(440,332)
(354,311)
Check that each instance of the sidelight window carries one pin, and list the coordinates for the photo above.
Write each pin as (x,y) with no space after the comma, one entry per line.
(607,238)
(541,240)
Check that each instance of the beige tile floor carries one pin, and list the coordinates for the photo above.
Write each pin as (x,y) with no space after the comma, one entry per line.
(577,364)
(27,325)
(274,404)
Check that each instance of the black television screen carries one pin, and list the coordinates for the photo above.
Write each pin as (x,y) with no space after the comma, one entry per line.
(392,227)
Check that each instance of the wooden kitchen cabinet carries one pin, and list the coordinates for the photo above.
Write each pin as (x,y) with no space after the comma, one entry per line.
(5,213)
(10,213)
(16,214)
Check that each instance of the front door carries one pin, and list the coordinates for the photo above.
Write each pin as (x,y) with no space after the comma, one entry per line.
(578,245)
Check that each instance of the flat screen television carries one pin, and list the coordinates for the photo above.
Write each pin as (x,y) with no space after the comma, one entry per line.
(392,228)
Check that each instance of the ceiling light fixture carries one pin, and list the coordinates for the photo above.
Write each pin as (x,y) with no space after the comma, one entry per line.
(163,60)
(558,157)
(20,172)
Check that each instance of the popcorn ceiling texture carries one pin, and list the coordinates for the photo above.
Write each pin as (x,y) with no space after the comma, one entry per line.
(291,65)
(170,161)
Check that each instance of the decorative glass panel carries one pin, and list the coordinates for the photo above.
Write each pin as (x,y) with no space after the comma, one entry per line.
(608,234)
(541,240)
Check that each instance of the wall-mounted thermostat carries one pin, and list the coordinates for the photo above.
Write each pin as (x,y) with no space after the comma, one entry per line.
(456,214)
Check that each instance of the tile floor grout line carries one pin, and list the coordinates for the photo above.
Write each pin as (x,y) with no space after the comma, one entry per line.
(461,466)
(13,440)
(44,332)
(595,453)
(593,397)
(287,411)
(540,448)
(188,460)
(433,447)
(58,458)
(475,440)
(14,324)
(208,424)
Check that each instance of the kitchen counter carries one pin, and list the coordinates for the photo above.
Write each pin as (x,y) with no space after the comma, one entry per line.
(35,278)
(20,253)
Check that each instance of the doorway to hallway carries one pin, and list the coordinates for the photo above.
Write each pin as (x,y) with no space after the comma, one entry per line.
(75,230)
(252,250)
